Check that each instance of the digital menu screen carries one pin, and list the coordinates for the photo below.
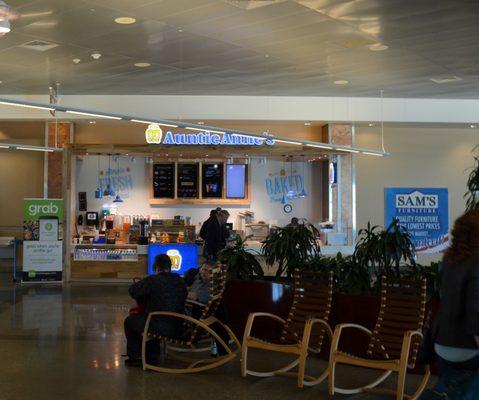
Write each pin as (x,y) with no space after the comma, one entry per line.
(164,181)
(212,180)
(235,181)
(188,181)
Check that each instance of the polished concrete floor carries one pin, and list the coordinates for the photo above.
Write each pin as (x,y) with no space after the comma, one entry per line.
(67,343)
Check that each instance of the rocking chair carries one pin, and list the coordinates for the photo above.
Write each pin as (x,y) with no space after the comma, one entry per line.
(303,330)
(394,343)
(194,331)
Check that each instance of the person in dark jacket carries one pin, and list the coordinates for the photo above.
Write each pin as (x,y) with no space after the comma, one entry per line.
(204,227)
(163,291)
(456,332)
(216,235)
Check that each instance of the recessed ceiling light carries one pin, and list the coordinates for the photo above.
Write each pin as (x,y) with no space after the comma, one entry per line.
(341,82)
(180,30)
(96,55)
(378,47)
(125,20)
(201,123)
(142,64)
(92,122)
(371,124)
(76,61)
(307,123)
(472,126)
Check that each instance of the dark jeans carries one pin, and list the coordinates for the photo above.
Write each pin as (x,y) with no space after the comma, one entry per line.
(134,325)
(222,315)
(457,381)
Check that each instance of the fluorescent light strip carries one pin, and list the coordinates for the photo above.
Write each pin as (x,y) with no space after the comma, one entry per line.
(320,146)
(93,115)
(170,125)
(143,122)
(372,154)
(4,147)
(204,130)
(33,149)
(27,106)
(287,142)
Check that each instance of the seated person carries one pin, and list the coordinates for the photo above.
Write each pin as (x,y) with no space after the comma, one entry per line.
(199,290)
(163,291)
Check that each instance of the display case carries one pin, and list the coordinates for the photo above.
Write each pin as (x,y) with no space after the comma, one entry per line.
(172,231)
(105,253)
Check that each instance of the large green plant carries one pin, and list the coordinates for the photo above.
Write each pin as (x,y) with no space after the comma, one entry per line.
(242,263)
(349,277)
(290,247)
(384,251)
(472,194)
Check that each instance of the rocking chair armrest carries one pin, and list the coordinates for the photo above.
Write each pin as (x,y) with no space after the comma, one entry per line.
(195,303)
(204,324)
(406,345)
(339,329)
(308,328)
(253,316)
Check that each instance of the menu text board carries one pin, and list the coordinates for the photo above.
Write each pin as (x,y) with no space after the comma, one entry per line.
(212,180)
(164,181)
(188,181)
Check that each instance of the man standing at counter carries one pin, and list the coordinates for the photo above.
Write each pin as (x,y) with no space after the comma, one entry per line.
(216,234)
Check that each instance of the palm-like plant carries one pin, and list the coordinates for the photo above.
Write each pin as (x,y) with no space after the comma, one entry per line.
(290,247)
(472,194)
(384,250)
(242,263)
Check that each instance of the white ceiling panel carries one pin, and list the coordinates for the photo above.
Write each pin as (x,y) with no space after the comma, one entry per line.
(292,47)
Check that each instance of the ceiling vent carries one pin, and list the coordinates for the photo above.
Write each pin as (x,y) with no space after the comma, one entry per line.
(253,4)
(39,45)
(446,79)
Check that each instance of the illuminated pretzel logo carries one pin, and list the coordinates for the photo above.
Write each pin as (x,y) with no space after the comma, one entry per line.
(154,134)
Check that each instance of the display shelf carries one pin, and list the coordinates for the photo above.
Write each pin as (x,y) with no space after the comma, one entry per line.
(105,253)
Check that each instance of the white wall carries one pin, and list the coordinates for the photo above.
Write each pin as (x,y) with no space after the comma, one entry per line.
(137,200)
(268,108)
(420,157)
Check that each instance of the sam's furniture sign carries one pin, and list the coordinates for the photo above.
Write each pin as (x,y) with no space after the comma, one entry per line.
(424,212)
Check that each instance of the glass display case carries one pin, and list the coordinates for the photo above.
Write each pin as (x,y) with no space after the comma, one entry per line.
(105,253)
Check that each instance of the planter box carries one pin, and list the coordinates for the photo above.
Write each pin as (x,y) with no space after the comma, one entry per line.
(244,297)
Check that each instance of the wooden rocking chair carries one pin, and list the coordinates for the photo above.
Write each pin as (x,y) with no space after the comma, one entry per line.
(194,331)
(395,341)
(303,330)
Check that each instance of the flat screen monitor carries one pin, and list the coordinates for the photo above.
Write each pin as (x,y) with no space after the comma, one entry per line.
(235,181)
(183,256)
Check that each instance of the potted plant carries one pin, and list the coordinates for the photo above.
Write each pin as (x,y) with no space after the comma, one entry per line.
(290,247)
(242,263)
(472,194)
(384,251)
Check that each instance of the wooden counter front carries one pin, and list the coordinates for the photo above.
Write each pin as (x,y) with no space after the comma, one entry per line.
(99,269)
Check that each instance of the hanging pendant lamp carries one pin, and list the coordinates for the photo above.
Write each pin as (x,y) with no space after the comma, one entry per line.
(292,193)
(303,193)
(98,191)
(118,198)
(108,192)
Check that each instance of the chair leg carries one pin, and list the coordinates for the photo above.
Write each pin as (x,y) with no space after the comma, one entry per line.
(332,374)
(244,358)
(401,383)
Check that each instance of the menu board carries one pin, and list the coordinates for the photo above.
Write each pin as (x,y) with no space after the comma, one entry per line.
(188,181)
(235,181)
(212,180)
(164,181)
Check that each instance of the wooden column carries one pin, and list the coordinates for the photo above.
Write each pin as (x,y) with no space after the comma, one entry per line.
(59,135)
(342,195)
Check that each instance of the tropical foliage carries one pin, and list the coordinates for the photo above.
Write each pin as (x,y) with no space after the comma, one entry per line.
(291,247)
(241,263)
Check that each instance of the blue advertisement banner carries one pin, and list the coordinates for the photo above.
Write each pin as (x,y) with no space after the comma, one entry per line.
(184,256)
(424,212)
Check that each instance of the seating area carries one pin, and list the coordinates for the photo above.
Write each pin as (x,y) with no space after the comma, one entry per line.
(305,334)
